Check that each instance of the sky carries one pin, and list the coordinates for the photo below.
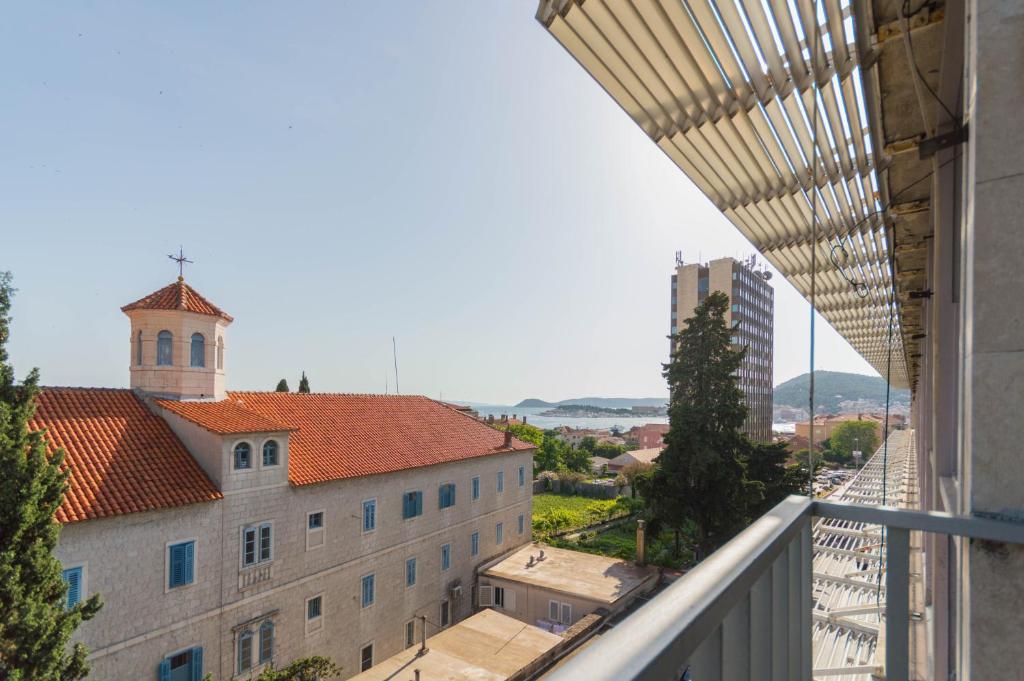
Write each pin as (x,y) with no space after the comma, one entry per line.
(343,173)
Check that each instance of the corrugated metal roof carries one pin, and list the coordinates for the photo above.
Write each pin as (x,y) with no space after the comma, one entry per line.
(728,90)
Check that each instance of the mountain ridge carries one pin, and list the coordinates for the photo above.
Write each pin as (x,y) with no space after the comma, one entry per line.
(610,402)
(832,388)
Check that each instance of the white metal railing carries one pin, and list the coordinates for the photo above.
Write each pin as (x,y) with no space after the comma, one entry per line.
(746,611)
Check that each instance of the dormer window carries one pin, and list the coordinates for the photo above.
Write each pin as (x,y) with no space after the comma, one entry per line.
(270,453)
(164,349)
(198,354)
(243,456)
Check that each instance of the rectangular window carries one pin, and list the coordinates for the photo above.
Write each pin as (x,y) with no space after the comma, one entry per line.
(446,613)
(410,572)
(314,608)
(315,532)
(446,495)
(369,515)
(314,614)
(244,651)
(499,533)
(73,578)
(501,481)
(522,476)
(410,633)
(560,612)
(474,544)
(266,642)
(316,520)
(476,488)
(366,658)
(446,556)
(256,544)
(181,564)
(412,504)
(369,590)
(522,523)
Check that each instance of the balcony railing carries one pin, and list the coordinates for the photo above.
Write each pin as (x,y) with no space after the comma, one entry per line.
(748,611)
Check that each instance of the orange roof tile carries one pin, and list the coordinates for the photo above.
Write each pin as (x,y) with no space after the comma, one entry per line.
(123,458)
(345,436)
(224,417)
(178,296)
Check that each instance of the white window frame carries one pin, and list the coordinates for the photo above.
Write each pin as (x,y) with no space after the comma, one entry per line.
(362,516)
(311,534)
(471,551)
(83,591)
(195,562)
(499,482)
(373,654)
(560,607)
(415,572)
(474,488)
(241,547)
(254,644)
(315,625)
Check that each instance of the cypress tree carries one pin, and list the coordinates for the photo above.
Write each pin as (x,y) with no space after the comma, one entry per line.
(303,383)
(700,476)
(35,625)
(282,386)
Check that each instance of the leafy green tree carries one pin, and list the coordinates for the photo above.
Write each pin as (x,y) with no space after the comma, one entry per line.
(551,452)
(303,383)
(588,443)
(700,476)
(282,386)
(35,624)
(766,465)
(851,435)
(314,668)
(608,450)
(527,433)
(576,459)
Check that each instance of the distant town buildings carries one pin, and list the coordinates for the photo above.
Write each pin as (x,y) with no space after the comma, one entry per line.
(230,531)
(750,315)
(825,425)
(648,435)
(645,456)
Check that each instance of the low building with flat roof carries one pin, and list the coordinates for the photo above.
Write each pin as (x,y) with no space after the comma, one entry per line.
(488,646)
(636,456)
(553,588)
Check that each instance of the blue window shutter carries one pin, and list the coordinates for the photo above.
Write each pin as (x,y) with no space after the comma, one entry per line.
(197,664)
(441,496)
(405,506)
(163,670)
(419,503)
(451,494)
(177,576)
(73,577)
(189,567)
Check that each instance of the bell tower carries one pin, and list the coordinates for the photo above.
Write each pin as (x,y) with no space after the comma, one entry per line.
(177,343)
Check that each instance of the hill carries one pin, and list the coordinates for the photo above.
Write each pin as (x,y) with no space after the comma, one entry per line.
(609,402)
(832,388)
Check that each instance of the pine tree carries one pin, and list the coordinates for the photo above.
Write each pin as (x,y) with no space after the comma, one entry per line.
(35,625)
(700,474)
(282,386)
(303,383)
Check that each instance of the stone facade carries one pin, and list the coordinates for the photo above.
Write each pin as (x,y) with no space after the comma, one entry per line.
(143,621)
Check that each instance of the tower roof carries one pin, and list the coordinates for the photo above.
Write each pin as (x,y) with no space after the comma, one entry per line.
(178,296)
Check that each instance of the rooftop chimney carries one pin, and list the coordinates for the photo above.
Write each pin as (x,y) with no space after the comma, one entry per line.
(508,438)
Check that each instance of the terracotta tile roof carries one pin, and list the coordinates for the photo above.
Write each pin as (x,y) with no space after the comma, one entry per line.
(224,417)
(345,436)
(123,458)
(178,296)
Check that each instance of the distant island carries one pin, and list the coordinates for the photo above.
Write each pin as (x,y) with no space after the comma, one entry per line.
(626,403)
(593,411)
(837,392)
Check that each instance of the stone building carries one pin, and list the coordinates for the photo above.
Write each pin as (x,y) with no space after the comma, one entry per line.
(228,530)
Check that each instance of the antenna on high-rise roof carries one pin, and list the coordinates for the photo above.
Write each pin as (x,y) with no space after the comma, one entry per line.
(679,258)
(394,354)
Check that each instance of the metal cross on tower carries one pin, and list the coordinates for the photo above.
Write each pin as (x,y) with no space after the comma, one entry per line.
(181,260)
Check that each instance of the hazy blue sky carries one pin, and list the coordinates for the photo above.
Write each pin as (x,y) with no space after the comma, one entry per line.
(342,173)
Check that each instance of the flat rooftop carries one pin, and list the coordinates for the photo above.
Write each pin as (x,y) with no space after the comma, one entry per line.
(585,575)
(488,646)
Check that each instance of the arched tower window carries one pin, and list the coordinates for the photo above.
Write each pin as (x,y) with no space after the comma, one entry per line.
(266,642)
(220,352)
(138,348)
(243,456)
(164,349)
(198,355)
